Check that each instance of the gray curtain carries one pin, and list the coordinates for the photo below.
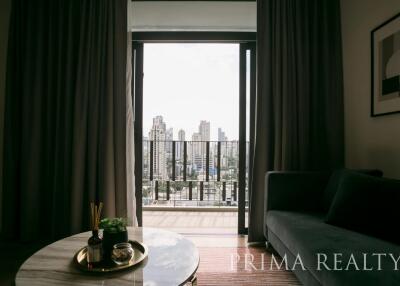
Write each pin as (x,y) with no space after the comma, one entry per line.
(299,105)
(65,116)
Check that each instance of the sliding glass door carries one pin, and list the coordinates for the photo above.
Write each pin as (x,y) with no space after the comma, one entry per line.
(226,180)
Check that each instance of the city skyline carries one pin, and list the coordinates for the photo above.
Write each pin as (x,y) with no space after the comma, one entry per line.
(160,151)
(194,82)
(179,134)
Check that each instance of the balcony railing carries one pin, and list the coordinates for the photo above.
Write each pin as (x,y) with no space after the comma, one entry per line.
(191,173)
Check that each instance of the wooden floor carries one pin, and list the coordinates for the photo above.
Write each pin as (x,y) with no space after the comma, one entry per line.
(186,222)
(227,259)
(224,265)
(225,256)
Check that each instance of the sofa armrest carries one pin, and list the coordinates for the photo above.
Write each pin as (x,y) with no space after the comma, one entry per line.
(295,191)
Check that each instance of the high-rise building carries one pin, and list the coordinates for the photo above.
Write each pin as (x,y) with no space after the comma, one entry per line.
(180,144)
(198,154)
(196,137)
(221,135)
(196,145)
(169,138)
(204,130)
(169,134)
(181,135)
(158,135)
(195,148)
(146,157)
(158,124)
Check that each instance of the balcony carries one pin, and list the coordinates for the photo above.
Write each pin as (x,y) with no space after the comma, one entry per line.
(191,174)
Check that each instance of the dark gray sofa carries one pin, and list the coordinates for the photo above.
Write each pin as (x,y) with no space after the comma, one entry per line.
(296,204)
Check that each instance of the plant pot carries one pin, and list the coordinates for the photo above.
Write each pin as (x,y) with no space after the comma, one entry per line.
(110,239)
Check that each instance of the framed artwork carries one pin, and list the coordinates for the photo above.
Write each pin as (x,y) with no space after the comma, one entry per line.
(385,68)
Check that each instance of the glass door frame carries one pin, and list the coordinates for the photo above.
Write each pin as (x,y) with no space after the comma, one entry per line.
(247,41)
(247,95)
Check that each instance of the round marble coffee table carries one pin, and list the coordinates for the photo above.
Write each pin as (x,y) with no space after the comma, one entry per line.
(172,260)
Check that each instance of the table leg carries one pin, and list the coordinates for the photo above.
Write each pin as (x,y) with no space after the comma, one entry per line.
(192,281)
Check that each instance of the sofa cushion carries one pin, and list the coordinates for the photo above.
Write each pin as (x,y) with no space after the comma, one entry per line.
(333,184)
(368,205)
(308,234)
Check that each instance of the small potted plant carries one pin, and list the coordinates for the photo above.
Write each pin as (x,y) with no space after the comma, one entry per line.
(114,231)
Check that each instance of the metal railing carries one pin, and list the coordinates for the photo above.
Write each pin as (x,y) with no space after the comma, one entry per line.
(191,173)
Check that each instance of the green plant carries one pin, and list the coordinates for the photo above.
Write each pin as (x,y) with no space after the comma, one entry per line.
(113,225)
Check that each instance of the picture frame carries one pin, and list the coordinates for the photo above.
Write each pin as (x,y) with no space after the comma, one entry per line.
(385,68)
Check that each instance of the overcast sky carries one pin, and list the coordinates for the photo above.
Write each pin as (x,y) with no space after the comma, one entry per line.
(186,83)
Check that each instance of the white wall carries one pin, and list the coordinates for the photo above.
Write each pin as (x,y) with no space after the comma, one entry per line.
(370,142)
(5,7)
(192,16)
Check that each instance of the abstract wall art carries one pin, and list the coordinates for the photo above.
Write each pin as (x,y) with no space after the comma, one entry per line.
(385,68)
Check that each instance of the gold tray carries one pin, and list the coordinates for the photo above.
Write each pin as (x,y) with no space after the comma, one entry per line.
(140,253)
